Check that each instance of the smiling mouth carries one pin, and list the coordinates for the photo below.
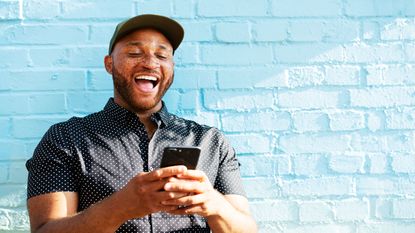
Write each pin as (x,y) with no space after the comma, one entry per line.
(146,83)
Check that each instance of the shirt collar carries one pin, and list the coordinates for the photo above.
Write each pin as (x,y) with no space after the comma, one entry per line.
(162,117)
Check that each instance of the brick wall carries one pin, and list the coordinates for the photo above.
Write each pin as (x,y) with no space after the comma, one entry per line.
(317,98)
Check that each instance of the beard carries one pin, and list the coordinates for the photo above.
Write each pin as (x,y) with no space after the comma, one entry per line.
(124,87)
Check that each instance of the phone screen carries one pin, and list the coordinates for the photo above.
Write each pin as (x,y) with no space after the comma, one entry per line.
(178,155)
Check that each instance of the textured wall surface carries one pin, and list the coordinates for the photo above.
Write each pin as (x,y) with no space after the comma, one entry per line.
(317,96)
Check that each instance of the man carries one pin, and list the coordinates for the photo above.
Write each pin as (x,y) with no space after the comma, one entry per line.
(100,173)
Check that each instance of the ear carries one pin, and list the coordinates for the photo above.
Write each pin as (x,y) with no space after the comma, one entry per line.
(108,63)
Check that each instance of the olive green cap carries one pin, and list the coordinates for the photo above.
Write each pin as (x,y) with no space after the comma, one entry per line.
(170,28)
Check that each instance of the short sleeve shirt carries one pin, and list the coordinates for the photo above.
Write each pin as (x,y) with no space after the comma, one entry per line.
(97,155)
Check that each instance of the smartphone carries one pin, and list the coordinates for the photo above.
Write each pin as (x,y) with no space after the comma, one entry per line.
(180,155)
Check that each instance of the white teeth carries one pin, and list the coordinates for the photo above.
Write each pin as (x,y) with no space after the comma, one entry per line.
(150,78)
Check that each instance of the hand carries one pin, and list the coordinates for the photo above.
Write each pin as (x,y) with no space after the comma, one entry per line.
(201,198)
(144,193)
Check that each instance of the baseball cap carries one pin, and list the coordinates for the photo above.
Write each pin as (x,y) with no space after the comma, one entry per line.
(170,28)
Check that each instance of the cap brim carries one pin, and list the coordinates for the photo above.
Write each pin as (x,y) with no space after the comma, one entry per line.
(171,29)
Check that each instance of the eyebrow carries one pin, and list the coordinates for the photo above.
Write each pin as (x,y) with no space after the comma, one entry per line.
(138,43)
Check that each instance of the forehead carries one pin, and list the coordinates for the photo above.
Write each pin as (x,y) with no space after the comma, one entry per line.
(147,36)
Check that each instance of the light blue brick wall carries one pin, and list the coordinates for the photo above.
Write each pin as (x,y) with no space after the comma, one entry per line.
(317,97)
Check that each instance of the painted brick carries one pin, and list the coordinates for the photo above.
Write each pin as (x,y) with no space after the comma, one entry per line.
(193,78)
(403,163)
(338,228)
(310,99)
(400,29)
(44,34)
(383,186)
(275,76)
(218,8)
(49,57)
(371,8)
(252,166)
(236,54)
(342,75)
(404,208)
(382,97)
(16,58)
(309,53)
(378,164)
(371,31)
(383,208)
(12,150)
(172,100)
(283,165)
(376,121)
(4,220)
(270,30)
(19,219)
(386,227)
(100,34)
(315,211)
(200,31)
(319,30)
(326,186)
(306,8)
(369,142)
(310,121)
(275,211)
(351,210)
(9,10)
(87,57)
(33,127)
(18,173)
(309,165)
(400,119)
(190,100)
(347,163)
(187,54)
(87,102)
(206,118)
(41,9)
(250,143)
(346,120)
(14,104)
(99,80)
(4,172)
(382,75)
(43,80)
(374,53)
(256,122)
(155,7)
(106,9)
(239,100)
(47,103)
(410,52)
(12,196)
(5,124)
(233,32)
(306,143)
(260,187)
(305,76)
(184,8)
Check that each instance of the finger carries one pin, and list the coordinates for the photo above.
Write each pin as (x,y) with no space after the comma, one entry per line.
(172,195)
(163,173)
(194,175)
(186,201)
(195,209)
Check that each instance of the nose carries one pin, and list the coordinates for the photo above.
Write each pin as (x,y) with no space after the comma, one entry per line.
(150,62)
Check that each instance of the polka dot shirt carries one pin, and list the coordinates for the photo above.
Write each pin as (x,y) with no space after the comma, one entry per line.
(97,155)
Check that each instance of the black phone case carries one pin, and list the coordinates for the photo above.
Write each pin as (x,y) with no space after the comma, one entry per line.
(187,156)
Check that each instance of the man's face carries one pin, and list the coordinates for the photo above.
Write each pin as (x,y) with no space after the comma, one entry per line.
(141,65)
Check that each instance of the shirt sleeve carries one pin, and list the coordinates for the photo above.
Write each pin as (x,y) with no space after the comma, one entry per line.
(51,169)
(228,180)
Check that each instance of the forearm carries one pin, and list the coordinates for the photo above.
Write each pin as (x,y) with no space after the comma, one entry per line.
(233,220)
(104,216)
